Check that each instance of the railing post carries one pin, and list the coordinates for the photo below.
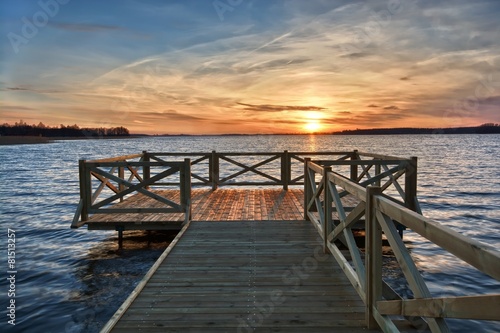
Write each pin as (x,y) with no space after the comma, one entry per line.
(327,208)
(185,186)
(213,169)
(85,192)
(377,172)
(373,257)
(285,167)
(146,169)
(121,175)
(354,168)
(307,190)
(411,184)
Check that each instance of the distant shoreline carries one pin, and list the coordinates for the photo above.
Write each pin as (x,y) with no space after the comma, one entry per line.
(7,140)
(22,140)
(483,129)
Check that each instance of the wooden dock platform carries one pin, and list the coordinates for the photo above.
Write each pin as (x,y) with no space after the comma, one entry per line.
(237,277)
(226,204)
(275,257)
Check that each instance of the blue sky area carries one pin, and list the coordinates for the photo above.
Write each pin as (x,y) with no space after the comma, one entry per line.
(250,66)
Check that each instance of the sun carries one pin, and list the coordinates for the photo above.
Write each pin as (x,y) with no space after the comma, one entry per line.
(313,122)
(312,126)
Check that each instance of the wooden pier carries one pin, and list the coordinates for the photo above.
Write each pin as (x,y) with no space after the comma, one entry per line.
(278,254)
(234,277)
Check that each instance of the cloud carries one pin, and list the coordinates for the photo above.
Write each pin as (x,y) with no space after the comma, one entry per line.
(279,108)
(85,27)
(168,115)
(373,106)
(16,108)
(15,89)
(405,78)
(391,107)
(30,90)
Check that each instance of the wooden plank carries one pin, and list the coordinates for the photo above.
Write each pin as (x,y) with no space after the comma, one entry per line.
(130,299)
(220,274)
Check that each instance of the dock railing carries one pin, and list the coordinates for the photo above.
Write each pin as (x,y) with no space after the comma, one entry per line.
(323,190)
(216,169)
(133,174)
(108,181)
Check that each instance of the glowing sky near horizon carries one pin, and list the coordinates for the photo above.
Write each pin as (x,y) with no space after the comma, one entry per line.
(250,66)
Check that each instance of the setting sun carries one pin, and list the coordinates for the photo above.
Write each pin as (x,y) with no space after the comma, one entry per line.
(313,122)
(312,126)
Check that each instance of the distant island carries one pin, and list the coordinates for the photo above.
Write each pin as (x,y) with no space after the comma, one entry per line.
(22,133)
(489,128)
(21,128)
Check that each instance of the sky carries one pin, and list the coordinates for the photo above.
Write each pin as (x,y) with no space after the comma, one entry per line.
(250,66)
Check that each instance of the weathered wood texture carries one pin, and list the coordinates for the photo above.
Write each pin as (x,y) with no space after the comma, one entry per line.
(220,205)
(239,276)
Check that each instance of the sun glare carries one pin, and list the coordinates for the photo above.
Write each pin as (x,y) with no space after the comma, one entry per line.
(313,122)
(312,126)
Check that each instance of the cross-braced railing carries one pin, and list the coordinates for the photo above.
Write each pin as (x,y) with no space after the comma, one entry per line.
(383,213)
(108,181)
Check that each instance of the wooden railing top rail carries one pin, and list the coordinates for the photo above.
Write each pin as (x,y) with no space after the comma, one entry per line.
(115,159)
(380,156)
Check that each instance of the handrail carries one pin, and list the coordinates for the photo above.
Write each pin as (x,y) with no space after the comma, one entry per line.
(382,213)
(218,169)
(122,177)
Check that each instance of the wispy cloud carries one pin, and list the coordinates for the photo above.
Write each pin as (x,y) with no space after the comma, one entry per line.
(279,108)
(85,27)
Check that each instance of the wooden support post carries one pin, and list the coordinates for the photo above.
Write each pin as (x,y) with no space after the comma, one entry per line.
(327,208)
(120,236)
(307,189)
(121,175)
(411,184)
(354,168)
(285,167)
(373,257)
(85,190)
(185,187)
(377,172)
(214,170)
(146,169)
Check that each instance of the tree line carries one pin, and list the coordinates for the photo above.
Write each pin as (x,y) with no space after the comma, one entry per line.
(21,128)
(488,128)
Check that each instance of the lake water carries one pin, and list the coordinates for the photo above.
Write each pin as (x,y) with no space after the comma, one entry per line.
(74,280)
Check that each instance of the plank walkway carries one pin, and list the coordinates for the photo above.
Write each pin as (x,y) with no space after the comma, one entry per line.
(243,277)
(221,205)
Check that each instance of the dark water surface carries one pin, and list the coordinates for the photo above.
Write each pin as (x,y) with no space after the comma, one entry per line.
(74,280)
